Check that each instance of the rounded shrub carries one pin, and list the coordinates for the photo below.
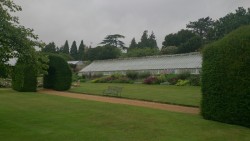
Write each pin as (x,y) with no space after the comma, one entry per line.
(24,78)
(59,75)
(226,79)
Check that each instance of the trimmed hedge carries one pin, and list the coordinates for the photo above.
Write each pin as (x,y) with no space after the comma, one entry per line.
(226,79)
(59,75)
(24,78)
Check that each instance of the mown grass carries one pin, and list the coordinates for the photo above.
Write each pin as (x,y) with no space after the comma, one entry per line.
(40,117)
(181,95)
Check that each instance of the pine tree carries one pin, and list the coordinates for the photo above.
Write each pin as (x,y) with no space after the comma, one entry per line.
(65,48)
(152,41)
(81,50)
(73,50)
(133,44)
(144,40)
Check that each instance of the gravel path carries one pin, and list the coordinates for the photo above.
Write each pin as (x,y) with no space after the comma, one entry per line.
(153,105)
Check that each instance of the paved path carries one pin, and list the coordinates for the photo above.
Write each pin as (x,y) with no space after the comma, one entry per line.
(153,105)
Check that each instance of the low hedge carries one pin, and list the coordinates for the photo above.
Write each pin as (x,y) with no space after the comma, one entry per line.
(226,79)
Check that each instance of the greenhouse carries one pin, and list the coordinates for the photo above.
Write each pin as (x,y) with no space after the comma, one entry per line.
(178,63)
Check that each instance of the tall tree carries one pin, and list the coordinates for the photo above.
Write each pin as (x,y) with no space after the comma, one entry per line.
(202,27)
(113,40)
(51,47)
(144,40)
(152,41)
(133,44)
(176,39)
(81,51)
(103,52)
(16,40)
(231,22)
(65,48)
(73,50)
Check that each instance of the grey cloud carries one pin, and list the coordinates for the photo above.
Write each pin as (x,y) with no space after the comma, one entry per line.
(92,20)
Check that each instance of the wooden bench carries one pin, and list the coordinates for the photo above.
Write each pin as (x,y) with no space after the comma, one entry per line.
(113,91)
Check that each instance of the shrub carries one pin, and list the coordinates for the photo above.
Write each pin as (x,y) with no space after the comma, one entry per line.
(172,79)
(150,80)
(132,75)
(59,75)
(24,78)
(226,79)
(195,80)
(115,78)
(182,82)
(144,75)
(154,80)
(183,75)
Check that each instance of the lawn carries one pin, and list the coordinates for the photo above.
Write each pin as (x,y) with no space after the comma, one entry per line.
(181,95)
(40,117)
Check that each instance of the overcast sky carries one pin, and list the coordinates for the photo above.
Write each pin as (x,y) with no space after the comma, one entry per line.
(92,20)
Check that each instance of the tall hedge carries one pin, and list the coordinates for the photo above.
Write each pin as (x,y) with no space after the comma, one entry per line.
(24,78)
(226,79)
(59,75)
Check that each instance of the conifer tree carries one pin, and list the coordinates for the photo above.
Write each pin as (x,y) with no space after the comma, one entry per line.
(66,48)
(73,50)
(133,44)
(81,51)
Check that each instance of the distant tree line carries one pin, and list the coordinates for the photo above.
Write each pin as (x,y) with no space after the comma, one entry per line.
(193,38)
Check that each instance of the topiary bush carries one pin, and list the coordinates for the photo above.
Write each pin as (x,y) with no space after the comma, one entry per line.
(24,78)
(226,79)
(59,75)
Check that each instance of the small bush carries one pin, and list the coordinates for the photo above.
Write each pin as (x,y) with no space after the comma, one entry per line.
(132,75)
(182,83)
(154,80)
(172,79)
(195,80)
(183,76)
(144,75)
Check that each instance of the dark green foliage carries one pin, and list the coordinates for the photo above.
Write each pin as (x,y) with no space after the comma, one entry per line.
(231,22)
(133,44)
(3,71)
(178,38)
(73,51)
(65,48)
(59,75)
(132,75)
(81,51)
(51,48)
(143,75)
(169,50)
(192,45)
(147,41)
(24,78)
(114,78)
(113,40)
(195,80)
(226,79)
(103,52)
(140,52)
(202,27)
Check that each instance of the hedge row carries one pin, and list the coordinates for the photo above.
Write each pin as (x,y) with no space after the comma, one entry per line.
(226,79)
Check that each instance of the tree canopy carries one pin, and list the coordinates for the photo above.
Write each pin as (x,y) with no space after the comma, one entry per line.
(16,41)
(113,40)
